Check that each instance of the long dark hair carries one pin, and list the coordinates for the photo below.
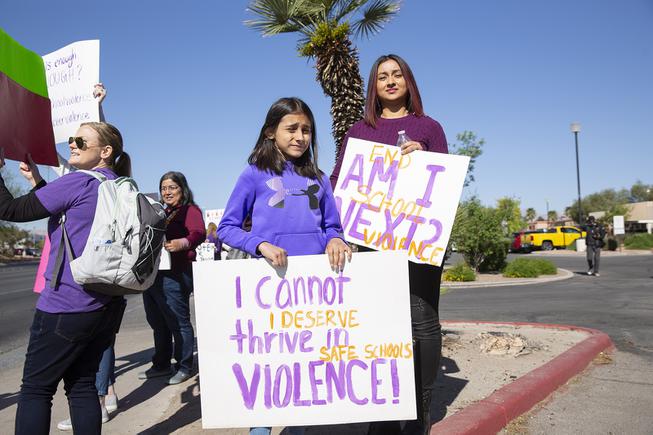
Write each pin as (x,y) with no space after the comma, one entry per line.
(180,180)
(373,105)
(119,162)
(267,157)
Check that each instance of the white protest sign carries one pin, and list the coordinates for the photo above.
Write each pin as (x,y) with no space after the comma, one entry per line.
(389,202)
(213,215)
(71,73)
(618,225)
(304,346)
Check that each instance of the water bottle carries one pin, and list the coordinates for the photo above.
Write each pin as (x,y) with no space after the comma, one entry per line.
(403,138)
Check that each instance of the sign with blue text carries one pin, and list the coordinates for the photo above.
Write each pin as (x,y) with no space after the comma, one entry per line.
(304,345)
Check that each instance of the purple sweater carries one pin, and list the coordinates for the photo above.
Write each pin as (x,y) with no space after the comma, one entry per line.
(76,195)
(422,129)
(293,212)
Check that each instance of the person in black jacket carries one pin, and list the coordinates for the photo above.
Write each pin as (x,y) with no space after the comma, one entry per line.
(594,242)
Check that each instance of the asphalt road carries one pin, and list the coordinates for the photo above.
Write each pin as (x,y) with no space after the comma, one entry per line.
(17,301)
(619,302)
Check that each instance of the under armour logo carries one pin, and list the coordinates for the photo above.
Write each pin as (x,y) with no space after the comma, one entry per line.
(277,200)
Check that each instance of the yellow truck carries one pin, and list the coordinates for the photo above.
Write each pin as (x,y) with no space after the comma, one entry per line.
(551,238)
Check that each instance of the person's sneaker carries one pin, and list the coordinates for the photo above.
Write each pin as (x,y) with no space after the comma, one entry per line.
(597,274)
(68,424)
(111,402)
(178,378)
(155,373)
(65,425)
(589,272)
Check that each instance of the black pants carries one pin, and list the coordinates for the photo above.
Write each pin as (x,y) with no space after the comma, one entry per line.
(68,347)
(593,258)
(424,282)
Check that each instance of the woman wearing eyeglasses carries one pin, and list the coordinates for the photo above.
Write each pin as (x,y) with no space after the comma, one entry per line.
(167,306)
(72,326)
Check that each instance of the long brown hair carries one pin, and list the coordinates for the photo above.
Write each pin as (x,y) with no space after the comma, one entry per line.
(119,162)
(267,157)
(373,105)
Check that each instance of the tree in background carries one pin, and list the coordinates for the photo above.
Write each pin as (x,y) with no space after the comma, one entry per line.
(510,214)
(552,216)
(610,201)
(641,192)
(10,234)
(326,28)
(530,214)
(468,145)
(479,236)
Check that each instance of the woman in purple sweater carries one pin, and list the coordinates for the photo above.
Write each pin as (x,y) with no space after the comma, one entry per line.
(393,104)
(72,326)
(167,302)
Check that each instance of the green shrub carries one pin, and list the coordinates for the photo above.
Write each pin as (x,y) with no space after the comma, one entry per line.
(479,236)
(639,241)
(460,272)
(529,268)
(544,266)
(612,245)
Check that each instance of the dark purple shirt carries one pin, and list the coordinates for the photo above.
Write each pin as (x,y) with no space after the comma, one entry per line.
(422,129)
(76,195)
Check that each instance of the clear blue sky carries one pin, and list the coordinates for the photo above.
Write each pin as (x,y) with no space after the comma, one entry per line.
(189,85)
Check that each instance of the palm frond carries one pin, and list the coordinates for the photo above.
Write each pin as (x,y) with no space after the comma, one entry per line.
(280,16)
(375,16)
(346,7)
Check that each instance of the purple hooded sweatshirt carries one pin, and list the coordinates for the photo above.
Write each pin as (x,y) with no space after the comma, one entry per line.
(293,212)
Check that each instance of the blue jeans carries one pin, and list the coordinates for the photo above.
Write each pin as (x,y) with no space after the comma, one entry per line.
(167,309)
(68,347)
(106,375)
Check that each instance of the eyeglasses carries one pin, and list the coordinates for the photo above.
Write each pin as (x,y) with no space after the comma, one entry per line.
(80,143)
(169,189)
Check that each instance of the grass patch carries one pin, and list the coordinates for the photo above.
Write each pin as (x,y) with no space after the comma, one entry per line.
(529,268)
(459,273)
(639,241)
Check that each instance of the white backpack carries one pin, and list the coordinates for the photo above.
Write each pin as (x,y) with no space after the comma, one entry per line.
(123,249)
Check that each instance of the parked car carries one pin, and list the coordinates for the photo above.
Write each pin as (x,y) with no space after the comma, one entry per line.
(551,238)
(520,242)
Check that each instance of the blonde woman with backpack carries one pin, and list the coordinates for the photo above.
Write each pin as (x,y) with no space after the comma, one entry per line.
(72,326)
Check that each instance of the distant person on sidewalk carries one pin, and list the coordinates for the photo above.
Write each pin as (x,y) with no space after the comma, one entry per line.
(72,327)
(212,237)
(594,242)
(167,302)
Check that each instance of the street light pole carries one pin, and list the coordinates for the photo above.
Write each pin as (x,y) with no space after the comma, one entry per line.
(575,128)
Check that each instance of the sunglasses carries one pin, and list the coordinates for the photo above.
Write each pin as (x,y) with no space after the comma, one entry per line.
(80,143)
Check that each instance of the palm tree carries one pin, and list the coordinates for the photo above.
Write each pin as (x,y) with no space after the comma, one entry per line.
(530,214)
(326,28)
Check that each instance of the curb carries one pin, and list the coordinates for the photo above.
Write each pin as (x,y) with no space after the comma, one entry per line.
(566,274)
(493,413)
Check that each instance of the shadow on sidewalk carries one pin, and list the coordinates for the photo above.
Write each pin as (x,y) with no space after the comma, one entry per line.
(189,412)
(148,389)
(446,389)
(8,399)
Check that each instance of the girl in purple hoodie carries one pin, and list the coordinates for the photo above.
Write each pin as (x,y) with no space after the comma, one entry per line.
(289,199)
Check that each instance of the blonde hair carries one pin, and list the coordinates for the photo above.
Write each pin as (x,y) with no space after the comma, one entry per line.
(119,160)
(211,228)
